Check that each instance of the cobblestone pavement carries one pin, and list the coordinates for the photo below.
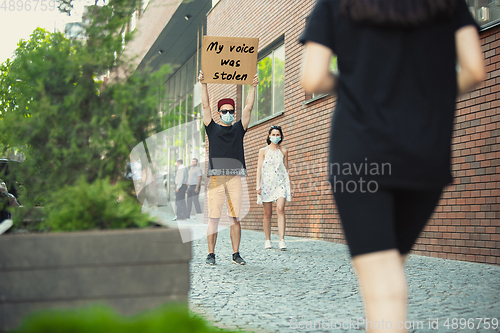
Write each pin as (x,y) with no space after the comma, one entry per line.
(313,281)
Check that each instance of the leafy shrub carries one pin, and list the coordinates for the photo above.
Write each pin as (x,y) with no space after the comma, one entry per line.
(64,120)
(27,219)
(103,319)
(98,205)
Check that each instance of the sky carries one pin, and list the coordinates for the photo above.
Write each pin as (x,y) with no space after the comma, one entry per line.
(19,24)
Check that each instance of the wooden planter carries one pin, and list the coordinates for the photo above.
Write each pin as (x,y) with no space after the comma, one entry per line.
(131,270)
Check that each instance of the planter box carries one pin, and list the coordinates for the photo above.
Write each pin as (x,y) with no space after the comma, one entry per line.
(131,270)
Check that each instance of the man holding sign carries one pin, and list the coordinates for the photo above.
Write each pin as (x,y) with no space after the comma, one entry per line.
(226,165)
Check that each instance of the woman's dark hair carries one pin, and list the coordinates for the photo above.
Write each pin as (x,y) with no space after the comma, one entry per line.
(397,13)
(274,127)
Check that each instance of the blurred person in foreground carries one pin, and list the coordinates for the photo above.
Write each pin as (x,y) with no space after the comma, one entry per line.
(402,64)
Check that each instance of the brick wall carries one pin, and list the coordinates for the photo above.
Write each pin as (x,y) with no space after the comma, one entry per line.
(466,224)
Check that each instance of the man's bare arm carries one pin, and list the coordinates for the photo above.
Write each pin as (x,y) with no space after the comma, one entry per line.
(247,111)
(207,111)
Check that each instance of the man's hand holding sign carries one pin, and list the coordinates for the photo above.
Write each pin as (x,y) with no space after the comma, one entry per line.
(228,60)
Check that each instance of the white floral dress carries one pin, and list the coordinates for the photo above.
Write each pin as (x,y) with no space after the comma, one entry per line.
(274,180)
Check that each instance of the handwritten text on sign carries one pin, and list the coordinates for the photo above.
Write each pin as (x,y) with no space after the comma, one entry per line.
(229,60)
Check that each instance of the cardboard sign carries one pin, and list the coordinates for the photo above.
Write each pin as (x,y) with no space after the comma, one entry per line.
(229,60)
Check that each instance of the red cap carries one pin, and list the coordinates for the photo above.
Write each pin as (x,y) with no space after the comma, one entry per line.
(225,101)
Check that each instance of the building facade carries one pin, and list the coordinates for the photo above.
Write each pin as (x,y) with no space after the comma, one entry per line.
(169,33)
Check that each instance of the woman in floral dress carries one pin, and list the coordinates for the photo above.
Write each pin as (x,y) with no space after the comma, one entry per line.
(273,183)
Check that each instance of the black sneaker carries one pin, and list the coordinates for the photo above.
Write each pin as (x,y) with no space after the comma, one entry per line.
(237,259)
(210,259)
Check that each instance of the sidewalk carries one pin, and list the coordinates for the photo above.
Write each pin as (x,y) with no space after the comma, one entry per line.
(313,285)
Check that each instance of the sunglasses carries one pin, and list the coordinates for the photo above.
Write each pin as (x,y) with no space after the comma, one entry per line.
(275,127)
(226,111)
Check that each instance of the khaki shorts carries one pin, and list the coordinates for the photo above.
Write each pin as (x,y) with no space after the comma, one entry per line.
(220,187)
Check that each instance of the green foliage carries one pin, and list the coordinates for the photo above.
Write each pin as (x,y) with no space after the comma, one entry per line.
(102,319)
(333,64)
(265,87)
(55,110)
(85,206)
(28,219)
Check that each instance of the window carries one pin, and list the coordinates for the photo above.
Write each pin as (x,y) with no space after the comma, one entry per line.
(183,119)
(179,90)
(485,12)
(270,93)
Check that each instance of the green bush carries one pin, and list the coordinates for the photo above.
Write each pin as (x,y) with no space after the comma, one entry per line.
(75,108)
(57,110)
(103,319)
(27,219)
(98,205)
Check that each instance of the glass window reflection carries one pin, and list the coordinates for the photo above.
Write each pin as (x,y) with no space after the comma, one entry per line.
(270,94)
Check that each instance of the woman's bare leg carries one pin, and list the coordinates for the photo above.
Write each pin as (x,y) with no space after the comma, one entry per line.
(280,209)
(268,212)
(383,285)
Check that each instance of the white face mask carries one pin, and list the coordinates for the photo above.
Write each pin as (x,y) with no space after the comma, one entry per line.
(227,118)
(275,139)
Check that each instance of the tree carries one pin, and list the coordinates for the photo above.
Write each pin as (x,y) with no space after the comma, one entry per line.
(54,110)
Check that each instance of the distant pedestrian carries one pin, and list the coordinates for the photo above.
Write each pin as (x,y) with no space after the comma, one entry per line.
(142,176)
(181,179)
(401,65)
(195,177)
(273,183)
(226,165)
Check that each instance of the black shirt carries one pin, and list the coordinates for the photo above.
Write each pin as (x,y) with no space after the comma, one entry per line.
(225,151)
(397,89)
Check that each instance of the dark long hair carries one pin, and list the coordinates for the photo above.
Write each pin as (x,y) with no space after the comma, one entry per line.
(397,13)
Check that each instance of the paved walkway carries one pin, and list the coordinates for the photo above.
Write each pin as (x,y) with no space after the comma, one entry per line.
(312,285)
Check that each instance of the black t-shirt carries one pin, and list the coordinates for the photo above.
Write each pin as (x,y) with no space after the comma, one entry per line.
(225,151)
(396,93)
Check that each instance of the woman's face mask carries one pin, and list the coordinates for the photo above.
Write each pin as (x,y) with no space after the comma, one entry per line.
(275,139)
(275,135)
